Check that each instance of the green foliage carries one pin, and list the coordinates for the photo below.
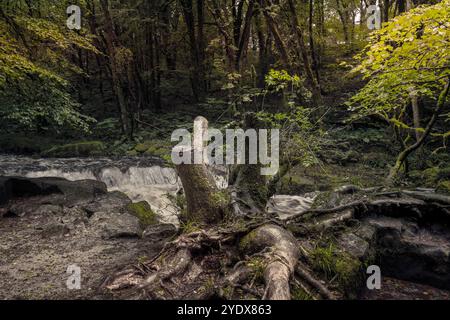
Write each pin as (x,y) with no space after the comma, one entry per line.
(409,56)
(338,265)
(298,293)
(444,186)
(280,80)
(258,266)
(34,79)
(300,139)
(189,227)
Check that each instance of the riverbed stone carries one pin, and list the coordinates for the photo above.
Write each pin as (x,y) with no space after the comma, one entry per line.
(72,191)
(115,225)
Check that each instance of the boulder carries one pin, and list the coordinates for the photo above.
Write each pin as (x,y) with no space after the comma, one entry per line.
(403,249)
(143,212)
(115,201)
(115,225)
(70,191)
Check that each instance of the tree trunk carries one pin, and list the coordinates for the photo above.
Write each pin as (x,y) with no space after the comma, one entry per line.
(273,28)
(186,265)
(303,52)
(196,73)
(206,204)
(386,4)
(312,47)
(416,114)
(244,36)
(405,153)
(112,44)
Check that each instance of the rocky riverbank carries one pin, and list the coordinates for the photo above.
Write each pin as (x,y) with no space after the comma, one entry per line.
(49,224)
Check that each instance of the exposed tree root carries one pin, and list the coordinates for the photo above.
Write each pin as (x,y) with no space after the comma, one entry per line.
(281,259)
(241,251)
(197,265)
(404,201)
(302,272)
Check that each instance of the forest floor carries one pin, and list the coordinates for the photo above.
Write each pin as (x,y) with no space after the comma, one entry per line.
(37,248)
(43,235)
(395,289)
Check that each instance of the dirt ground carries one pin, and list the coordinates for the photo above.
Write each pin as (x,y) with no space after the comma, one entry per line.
(396,289)
(37,249)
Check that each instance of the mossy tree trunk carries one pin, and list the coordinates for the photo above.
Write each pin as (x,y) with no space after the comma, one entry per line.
(206,204)
(192,260)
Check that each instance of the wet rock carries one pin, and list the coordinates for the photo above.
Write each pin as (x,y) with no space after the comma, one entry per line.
(396,289)
(366,232)
(403,248)
(159,232)
(354,245)
(286,206)
(112,201)
(72,191)
(115,225)
(423,257)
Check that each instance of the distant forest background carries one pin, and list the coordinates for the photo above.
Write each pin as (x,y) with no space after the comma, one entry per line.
(137,70)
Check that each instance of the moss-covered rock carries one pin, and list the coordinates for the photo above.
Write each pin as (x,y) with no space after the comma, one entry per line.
(444,186)
(132,153)
(141,147)
(155,148)
(432,177)
(244,243)
(144,212)
(80,149)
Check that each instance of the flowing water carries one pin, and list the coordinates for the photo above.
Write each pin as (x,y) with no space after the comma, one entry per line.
(142,179)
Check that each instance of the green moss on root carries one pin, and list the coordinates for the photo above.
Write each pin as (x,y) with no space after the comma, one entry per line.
(244,244)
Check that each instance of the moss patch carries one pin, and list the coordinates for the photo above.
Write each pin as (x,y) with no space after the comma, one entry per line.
(292,184)
(297,293)
(144,212)
(258,266)
(80,149)
(433,177)
(246,240)
(156,148)
(190,226)
(338,265)
(444,186)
